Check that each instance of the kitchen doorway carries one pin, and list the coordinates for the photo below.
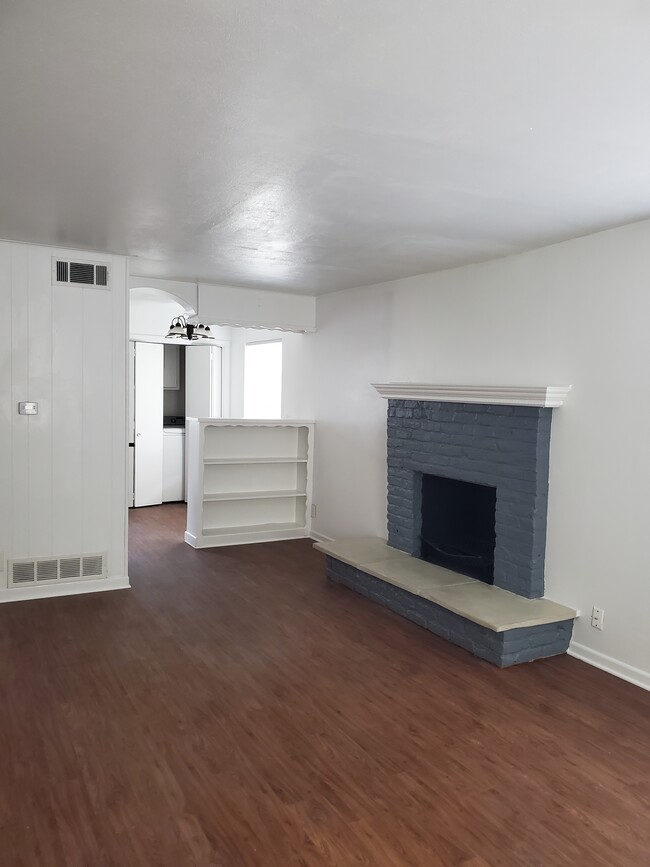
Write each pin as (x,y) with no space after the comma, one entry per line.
(167,384)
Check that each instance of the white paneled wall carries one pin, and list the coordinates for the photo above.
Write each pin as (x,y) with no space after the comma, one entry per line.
(63,471)
(297,386)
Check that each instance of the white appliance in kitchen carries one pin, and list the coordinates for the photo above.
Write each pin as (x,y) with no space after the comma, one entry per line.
(173,488)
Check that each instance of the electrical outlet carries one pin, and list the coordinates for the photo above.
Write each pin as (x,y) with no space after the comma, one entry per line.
(313,510)
(597,617)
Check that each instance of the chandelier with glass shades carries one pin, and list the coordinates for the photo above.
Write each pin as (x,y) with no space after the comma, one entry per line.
(184,330)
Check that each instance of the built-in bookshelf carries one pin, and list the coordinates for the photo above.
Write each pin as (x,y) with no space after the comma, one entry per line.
(248,481)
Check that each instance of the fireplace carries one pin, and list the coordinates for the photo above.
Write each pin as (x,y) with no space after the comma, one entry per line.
(458,526)
(501,455)
(467,493)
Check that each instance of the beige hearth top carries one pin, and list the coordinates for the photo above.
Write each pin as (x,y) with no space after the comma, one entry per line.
(482,603)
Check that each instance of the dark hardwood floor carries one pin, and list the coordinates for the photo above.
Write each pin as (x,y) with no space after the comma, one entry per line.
(234,709)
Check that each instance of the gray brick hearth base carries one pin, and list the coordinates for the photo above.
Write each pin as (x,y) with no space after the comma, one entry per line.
(501,648)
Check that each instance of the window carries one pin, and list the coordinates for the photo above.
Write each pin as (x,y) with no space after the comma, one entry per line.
(263,380)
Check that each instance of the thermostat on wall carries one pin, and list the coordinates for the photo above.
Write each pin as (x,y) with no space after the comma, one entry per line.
(28,407)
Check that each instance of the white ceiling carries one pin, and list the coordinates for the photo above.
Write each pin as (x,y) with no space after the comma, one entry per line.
(311,145)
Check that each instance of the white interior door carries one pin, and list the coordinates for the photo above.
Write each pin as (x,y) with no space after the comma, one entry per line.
(148,424)
(130,489)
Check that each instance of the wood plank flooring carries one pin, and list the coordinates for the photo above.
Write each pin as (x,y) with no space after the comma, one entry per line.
(234,709)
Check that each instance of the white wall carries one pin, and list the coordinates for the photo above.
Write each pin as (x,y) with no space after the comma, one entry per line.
(297,376)
(216,305)
(62,472)
(152,308)
(150,314)
(350,351)
(153,304)
(230,305)
(151,311)
(574,313)
(185,294)
(297,388)
(199,381)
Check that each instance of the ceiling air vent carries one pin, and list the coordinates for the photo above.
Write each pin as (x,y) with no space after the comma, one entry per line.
(55,569)
(69,273)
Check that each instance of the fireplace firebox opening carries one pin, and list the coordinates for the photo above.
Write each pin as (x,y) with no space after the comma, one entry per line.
(458,526)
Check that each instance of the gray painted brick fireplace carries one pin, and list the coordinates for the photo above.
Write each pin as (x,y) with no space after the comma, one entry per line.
(467,492)
(506,447)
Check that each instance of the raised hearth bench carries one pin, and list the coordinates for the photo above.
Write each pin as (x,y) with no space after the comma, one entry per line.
(492,623)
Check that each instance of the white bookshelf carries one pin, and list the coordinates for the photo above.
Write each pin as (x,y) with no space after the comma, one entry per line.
(248,480)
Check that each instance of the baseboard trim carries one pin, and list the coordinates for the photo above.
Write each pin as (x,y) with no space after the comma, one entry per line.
(637,676)
(320,537)
(70,588)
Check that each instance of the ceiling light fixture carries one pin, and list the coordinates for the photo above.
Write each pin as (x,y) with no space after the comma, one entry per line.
(181,329)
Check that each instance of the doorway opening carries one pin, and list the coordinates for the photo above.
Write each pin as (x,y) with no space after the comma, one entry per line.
(168,383)
(237,375)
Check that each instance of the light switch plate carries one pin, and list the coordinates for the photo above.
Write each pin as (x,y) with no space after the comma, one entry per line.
(28,407)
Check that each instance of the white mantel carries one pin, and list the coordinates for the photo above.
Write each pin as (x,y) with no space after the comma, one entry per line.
(513,395)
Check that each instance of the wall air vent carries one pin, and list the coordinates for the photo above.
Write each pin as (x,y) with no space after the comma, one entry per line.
(53,570)
(92,567)
(23,573)
(62,272)
(47,570)
(69,273)
(69,568)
